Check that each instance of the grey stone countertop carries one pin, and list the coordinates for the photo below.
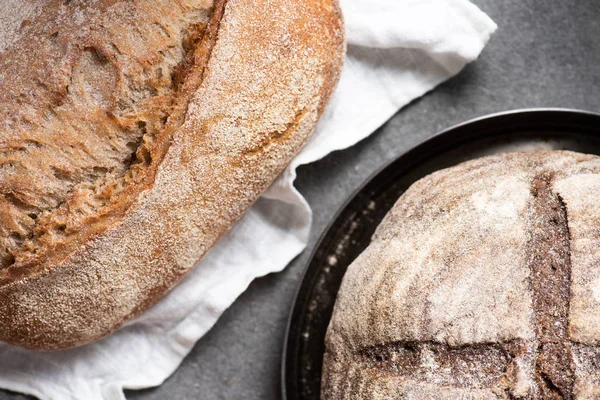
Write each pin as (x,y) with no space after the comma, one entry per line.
(546,53)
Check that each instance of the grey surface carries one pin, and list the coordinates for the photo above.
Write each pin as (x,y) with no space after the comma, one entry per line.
(546,53)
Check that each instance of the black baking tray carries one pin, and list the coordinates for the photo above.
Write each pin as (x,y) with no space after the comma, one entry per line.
(350,231)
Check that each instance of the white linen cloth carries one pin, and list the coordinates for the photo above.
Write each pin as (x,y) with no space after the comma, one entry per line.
(397,51)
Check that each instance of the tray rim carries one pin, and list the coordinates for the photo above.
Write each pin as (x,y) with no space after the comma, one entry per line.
(514,113)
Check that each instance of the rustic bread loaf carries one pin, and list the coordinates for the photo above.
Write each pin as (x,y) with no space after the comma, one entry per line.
(482,282)
(133,134)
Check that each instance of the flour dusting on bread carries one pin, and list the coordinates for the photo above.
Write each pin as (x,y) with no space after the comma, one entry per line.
(152,126)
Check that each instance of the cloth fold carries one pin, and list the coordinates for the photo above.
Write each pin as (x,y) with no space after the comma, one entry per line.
(397,51)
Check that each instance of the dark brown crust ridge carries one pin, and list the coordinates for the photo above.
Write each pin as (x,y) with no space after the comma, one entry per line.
(236,132)
(550,265)
(483,363)
(478,284)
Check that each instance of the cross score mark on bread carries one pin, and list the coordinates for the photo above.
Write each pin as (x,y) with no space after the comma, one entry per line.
(554,357)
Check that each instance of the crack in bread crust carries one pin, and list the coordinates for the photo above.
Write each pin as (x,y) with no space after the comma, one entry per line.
(481,364)
(59,173)
(550,265)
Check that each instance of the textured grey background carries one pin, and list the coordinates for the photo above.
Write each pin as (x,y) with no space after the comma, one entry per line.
(546,53)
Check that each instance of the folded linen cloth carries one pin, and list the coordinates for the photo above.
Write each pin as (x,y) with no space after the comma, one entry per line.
(397,51)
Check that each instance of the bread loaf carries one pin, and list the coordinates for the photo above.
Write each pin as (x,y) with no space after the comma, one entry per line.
(133,134)
(482,282)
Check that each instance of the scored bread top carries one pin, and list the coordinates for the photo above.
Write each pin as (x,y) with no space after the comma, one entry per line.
(82,122)
(136,133)
(482,282)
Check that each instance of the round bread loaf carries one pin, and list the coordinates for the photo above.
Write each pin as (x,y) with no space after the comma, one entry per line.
(133,134)
(482,282)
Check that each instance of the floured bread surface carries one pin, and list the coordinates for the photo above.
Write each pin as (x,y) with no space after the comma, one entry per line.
(133,134)
(87,90)
(482,282)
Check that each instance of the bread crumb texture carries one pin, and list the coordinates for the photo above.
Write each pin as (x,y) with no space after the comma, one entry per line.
(133,134)
(480,283)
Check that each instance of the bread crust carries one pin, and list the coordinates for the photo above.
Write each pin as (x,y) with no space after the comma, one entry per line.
(478,284)
(268,76)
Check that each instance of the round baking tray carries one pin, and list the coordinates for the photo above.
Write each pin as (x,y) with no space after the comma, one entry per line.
(350,230)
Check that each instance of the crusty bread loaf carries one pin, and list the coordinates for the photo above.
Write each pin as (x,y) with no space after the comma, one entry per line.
(133,134)
(482,282)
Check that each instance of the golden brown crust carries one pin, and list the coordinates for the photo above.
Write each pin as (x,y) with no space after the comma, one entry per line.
(90,94)
(252,105)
